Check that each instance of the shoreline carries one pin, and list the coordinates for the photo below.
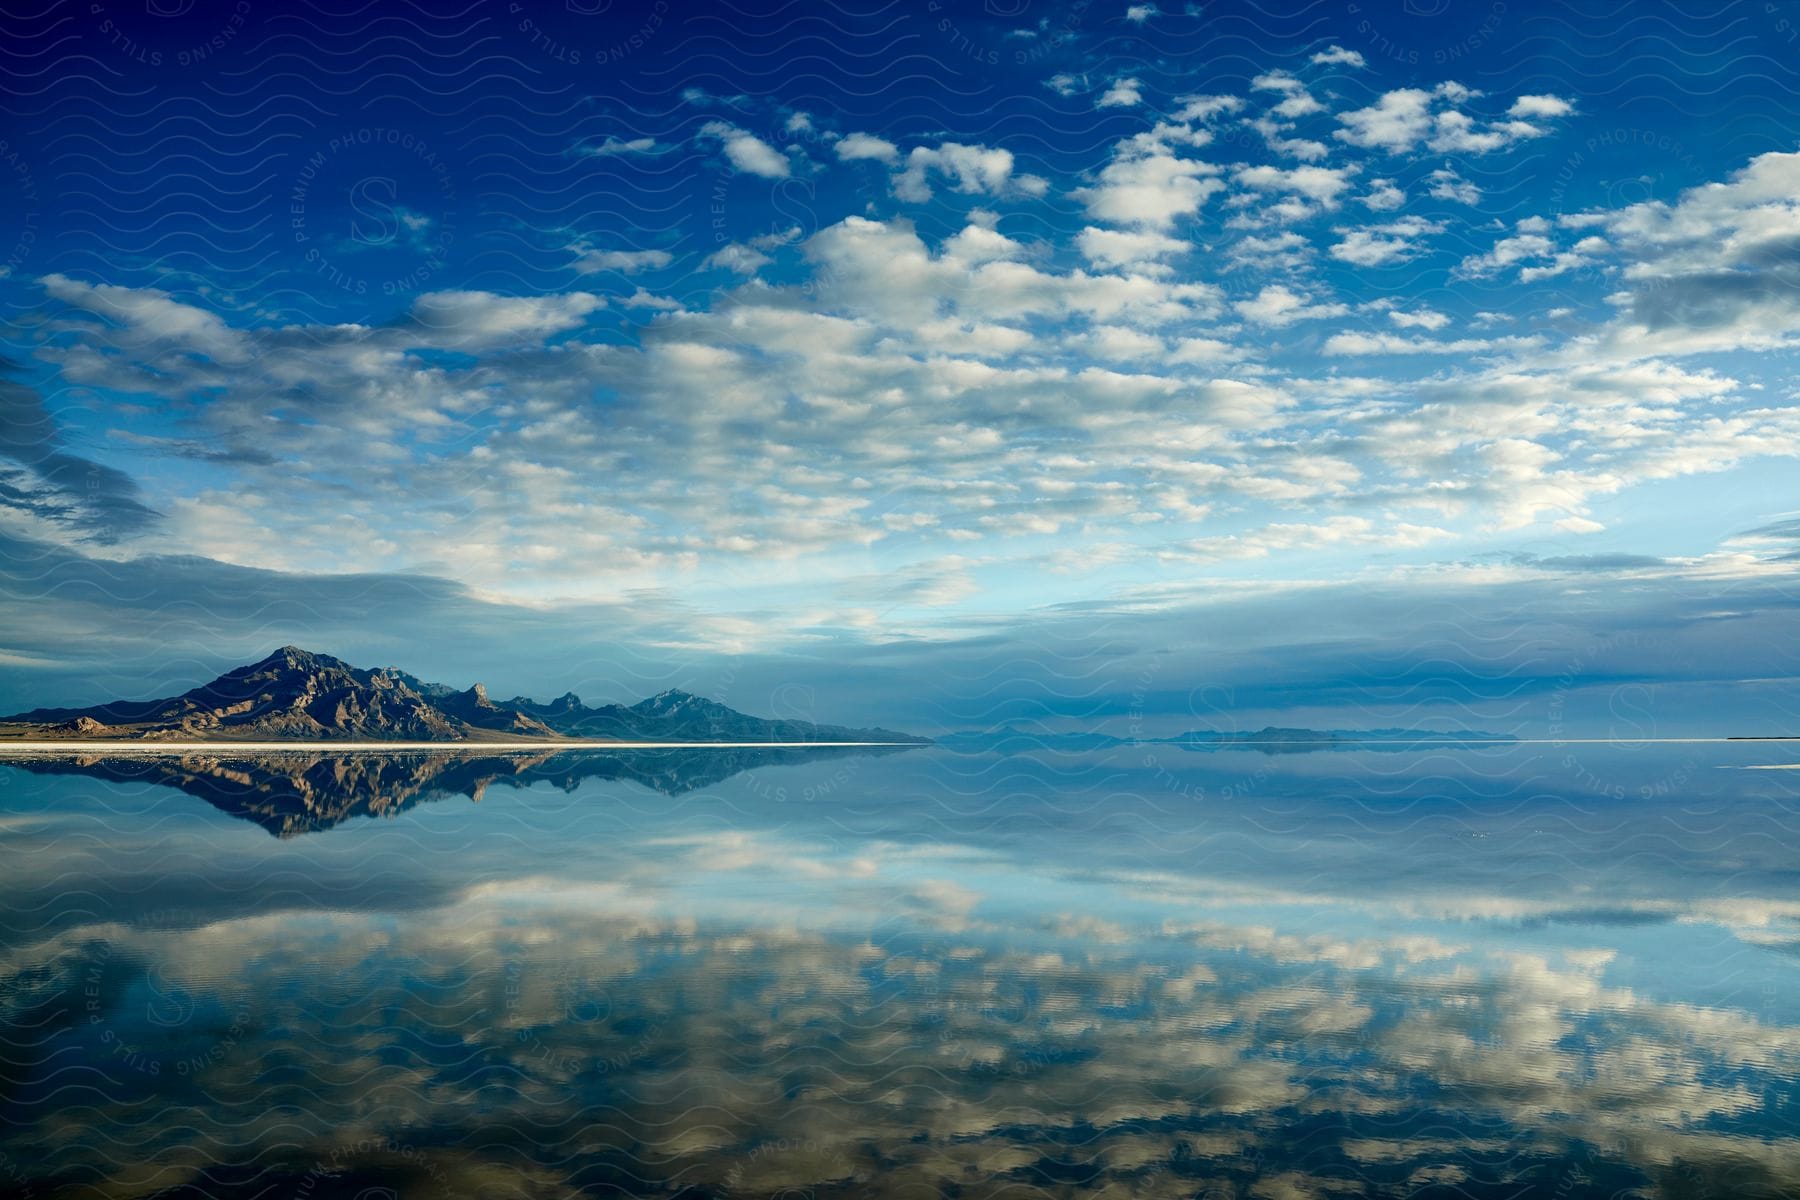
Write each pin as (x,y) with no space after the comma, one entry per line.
(124,747)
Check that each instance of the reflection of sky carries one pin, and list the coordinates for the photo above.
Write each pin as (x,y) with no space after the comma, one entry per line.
(939,968)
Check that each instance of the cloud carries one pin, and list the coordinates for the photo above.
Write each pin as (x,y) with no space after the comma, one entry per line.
(1446,184)
(44,489)
(1335,55)
(1379,245)
(855,146)
(1123,93)
(590,259)
(1531,107)
(613,145)
(1423,318)
(1309,191)
(469,319)
(1118,248)
(1383,196)
(1532,252)
(150,317)
(1407,119)
(970,170)
(747,258)
(1387,343)
(1150,190)
(747,152)
(1139,13)
(1279,306)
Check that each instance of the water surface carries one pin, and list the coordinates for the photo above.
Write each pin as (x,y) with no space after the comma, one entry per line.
(1138,971)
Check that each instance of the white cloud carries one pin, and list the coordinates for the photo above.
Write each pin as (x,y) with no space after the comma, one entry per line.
(1204,108)
(1446,184)
(746,151)
(1279,306)
(1529,107)
(613,145)
(1139,13)
(1388,343)
(1309,191)
(1407,118)
(1124,93)
(1150,190)
(589,259)
(1065,84)
(746,258)
(1285,251)
(465,319)
(854,146)
(971,170)
(1534,254)
(1383,196)
(1421,318)
(1377,245)
(1399,120)
(1335,55)
(1117,248)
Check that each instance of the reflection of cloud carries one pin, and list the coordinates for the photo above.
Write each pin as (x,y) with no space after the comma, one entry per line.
(637,1046)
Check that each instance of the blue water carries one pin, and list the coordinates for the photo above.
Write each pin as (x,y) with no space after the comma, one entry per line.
(1510,971)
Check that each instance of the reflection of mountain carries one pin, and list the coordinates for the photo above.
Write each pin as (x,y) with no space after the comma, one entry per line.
(295,694)
(291,793)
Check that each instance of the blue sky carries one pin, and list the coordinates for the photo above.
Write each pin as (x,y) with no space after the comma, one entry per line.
(1203,364)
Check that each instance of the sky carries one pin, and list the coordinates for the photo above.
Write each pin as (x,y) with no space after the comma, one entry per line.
(1139,366)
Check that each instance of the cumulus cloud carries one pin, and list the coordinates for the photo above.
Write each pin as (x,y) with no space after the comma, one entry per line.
(1531,107)
(1532,253)
(1337,56)
(747,152)
(1378,245)
(1151,190)
(1407,119)
(855,146)
(900,389)
(1123,93)
(971,170)
(1120,248)
(1446,184)
(1278,305)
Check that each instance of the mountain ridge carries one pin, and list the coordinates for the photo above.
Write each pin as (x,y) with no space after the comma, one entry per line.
(301,695)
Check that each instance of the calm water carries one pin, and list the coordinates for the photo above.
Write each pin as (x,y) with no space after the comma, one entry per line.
(1516,971)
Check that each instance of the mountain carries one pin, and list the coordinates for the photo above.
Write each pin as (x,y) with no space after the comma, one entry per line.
(1271,740)
(297,695)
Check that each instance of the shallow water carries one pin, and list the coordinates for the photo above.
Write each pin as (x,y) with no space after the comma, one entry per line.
(1140,971)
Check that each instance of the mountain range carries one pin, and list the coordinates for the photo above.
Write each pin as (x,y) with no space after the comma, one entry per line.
(298,695)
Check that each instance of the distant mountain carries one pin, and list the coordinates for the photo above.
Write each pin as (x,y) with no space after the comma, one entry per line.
(297,695)
(290,793)
(1270,740)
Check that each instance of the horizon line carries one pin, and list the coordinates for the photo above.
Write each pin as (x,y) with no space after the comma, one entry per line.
(1429,741)
(128,747)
